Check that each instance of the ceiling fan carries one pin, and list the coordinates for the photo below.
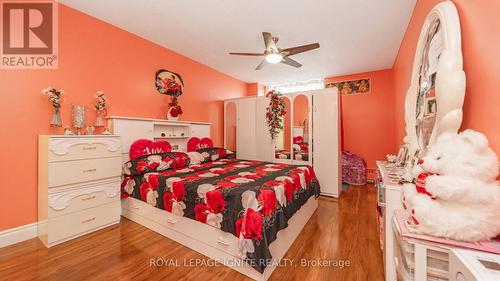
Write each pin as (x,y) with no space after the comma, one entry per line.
(273,54)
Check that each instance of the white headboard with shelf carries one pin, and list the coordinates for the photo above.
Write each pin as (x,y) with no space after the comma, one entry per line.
(176,132)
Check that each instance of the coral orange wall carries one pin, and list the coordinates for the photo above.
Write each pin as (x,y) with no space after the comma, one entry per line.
(255,89)
(94,56)
(480,26)
(368,119)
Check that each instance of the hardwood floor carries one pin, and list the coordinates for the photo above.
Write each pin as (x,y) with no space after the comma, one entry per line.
(343,229)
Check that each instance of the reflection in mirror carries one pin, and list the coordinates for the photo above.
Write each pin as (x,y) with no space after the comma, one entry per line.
(300,128)
(230,132)
(282,144)
(426,107)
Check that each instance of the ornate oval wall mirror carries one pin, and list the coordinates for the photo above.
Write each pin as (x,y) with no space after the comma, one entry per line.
(435,97)
(169,83)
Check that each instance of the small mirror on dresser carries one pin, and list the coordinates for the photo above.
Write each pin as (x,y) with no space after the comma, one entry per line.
(301,127)
(282,145)
(230,126)
(434,100)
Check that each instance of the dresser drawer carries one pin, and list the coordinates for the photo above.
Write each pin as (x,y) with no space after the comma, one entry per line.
(66,227)
(63,149)
(84,196)
(61,173)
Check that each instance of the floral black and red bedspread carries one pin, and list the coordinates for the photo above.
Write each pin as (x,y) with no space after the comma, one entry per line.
(251,199)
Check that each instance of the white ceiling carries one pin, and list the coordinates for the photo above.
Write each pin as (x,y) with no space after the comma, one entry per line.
(355,35)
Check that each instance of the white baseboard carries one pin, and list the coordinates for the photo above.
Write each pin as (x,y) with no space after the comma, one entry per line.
(18,234)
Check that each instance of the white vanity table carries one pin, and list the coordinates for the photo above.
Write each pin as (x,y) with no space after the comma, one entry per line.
(389,200)
(433,106)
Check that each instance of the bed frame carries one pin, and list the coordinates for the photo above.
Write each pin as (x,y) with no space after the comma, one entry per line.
(205,239)
(213,242)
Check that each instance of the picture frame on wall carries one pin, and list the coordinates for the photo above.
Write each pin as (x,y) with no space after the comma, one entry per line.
(352,87)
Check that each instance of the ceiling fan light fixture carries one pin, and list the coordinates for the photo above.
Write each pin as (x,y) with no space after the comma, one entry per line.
(274,58)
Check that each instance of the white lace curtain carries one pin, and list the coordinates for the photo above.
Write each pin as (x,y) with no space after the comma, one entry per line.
(298,86)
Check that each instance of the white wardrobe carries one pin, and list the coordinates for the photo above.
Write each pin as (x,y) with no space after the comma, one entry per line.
(311,135)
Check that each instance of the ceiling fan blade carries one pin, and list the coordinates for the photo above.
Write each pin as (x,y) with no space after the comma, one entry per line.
(301,49)
(269,42)
(289,61)
(261,65)
(247,54)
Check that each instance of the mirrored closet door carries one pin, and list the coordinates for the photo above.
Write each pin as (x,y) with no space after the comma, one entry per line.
(282,143)
(301,128)
(292,145)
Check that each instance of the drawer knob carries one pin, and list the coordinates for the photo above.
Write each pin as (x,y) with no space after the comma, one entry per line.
(89,147)
(171,220)
(88,198)
(89,220)
(223,242)
(89,170)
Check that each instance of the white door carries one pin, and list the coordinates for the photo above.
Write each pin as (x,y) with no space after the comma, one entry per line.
(264,149)
(245,135)
(326,141)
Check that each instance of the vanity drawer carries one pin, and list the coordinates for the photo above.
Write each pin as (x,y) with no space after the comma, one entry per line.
(64,149)
(80,197)
(69,226)
(61,173)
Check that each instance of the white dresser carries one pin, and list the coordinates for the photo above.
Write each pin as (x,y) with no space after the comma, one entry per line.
(78,185)
(389,200)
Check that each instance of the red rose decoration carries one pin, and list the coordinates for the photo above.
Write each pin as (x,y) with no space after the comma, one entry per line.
(199,212)
(153,181)
(222,153)
(167,201)
(268,200)
(153,165)
(233,177)
(215,201)
(288,190)
(296,181)
(167,173)
(178,190)
(191,178)
(250,224)
(141,166)
(180,160)
(225,184)
(144,189)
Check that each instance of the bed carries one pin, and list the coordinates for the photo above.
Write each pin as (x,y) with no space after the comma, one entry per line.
(243,213)
(300,149)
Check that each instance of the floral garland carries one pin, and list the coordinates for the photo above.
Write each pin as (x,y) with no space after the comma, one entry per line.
(275,111)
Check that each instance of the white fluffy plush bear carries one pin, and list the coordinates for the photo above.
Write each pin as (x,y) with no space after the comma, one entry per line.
(456,194)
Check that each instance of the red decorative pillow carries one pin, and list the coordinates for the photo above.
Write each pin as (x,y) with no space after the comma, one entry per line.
(195,143)
(298,139)
(145,147)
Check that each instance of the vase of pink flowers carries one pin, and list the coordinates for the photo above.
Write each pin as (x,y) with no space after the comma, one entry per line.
(55,97)
(101,109)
